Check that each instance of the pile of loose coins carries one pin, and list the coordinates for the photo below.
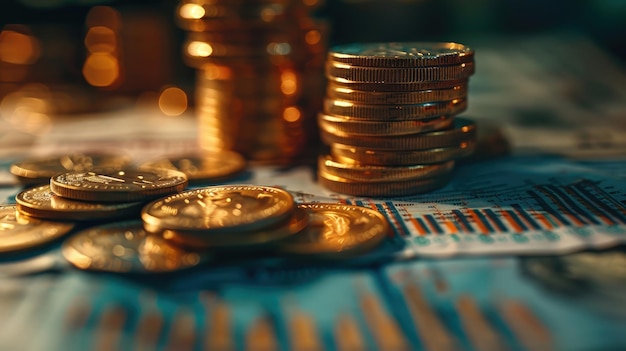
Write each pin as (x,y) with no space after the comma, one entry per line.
(389,117)
(259,80)
(144,219)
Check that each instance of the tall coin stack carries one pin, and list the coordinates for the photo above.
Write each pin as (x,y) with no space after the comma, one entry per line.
(260,76)
(389,117)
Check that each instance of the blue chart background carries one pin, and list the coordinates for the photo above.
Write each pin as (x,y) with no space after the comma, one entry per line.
(36,307)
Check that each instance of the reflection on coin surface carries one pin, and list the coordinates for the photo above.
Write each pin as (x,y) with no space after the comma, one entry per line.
(220,209)
(401,54)
(41,202)
(125,247)
(241,240)
(337,230)
(210,166)
(40,170)
(118,186)
(19,233)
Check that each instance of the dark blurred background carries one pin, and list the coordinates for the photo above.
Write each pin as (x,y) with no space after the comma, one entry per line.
(133,47)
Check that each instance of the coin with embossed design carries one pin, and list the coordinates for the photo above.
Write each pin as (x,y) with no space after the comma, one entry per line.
(245,240)
(202,167)
(39,170)
(41,202)
(125,247)
(337,231)
(118,186)
(20,233)
(219,209)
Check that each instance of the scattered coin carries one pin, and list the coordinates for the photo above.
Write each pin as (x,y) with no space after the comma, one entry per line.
(41,202)
(125,247)
(337,231)
(247,240)
(118,186)
(40,170)
(20,233)
(205,167)
(219,209)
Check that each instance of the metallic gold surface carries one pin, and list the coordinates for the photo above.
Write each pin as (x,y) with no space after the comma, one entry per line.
(464,130)
(353,154)
(219,209)
(255,239)
(394,112)
(118,186)
(204,167)
(124,247)
(356,126)
(39,170)
(380,189)
(337,231)
(41,202)
(402,54)
(341,72)
(374,174)
(21,233)
(341,92)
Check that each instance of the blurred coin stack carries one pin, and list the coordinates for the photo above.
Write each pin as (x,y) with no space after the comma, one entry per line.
(389,117)
(259,77)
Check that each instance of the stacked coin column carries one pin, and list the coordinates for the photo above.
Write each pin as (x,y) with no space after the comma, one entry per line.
(260,78)
(389,117)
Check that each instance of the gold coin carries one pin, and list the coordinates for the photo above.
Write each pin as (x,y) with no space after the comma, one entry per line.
(464,130)
(352,154)
(219,209)
(380,189)
(399,87)
(41,202)
(340,72)
(401,54)
(341,92)
(40,170)
(204,167)
(240,240)
(355,126)
(125,247)
(373,174)
(118,186)
(350,109)
(20,233)
(337,231)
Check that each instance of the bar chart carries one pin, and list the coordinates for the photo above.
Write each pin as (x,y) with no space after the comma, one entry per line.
(508,208)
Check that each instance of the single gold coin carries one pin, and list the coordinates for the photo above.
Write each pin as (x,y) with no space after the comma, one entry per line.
(40,170)
(239,240)
(356,126)
(202,167)
(219,209)
(385,87)
(393,112)
(380,189)
(463,130)
(41,202)
(127,185)
(21,233)
(337,231)
(401,54)
(344,73)
(341,92)
(125,247)
(374,174)
(375,157)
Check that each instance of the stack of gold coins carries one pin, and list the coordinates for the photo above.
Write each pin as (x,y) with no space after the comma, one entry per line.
(260,76)
(389,117)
